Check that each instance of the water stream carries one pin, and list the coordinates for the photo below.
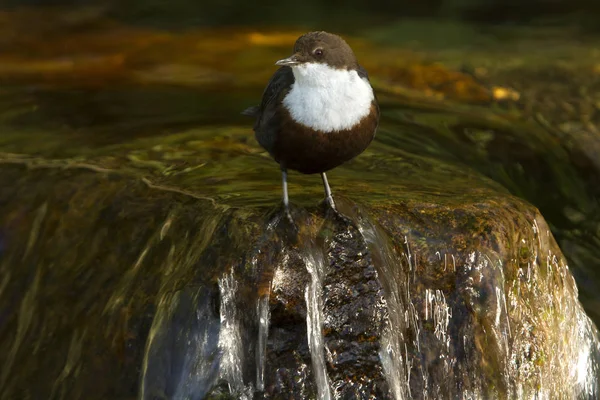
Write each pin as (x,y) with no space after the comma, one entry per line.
(230,339)
(315,266)
(263,334)
(393,352)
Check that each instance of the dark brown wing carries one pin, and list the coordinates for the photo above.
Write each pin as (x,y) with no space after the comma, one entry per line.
(267,123)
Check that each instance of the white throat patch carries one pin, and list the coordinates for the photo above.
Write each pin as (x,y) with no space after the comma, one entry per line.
(328,99)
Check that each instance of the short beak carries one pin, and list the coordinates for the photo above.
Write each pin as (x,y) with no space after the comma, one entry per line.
(290,61)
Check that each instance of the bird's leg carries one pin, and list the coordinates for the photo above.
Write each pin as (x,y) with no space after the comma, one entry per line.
(328,197)
(286,199)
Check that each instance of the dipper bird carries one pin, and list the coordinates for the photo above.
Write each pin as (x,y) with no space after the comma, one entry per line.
(318,110)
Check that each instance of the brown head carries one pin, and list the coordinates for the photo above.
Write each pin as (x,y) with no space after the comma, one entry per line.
(324,48)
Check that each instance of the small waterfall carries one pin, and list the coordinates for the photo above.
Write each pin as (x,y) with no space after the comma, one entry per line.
(263,334)
(396,367)
(197,348)
(230,341)
(264,260)
(315,265)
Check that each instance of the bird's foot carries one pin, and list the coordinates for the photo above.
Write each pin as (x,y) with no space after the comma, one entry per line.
(288,215)
(331,210)
(288,228)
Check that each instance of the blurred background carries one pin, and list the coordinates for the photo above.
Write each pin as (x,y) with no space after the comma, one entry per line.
(343,15)
(505,91)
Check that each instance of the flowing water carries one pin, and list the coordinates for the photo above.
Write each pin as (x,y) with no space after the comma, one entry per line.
(393,353)
(314,319)
(263,335)
(143,253)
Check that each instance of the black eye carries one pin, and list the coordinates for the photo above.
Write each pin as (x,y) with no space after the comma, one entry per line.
(318,52)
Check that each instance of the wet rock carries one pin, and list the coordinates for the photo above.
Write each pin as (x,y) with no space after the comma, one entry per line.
(413,300)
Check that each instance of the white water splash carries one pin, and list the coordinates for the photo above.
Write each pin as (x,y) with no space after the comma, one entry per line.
(314,320)
(437,309)
(230,342)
